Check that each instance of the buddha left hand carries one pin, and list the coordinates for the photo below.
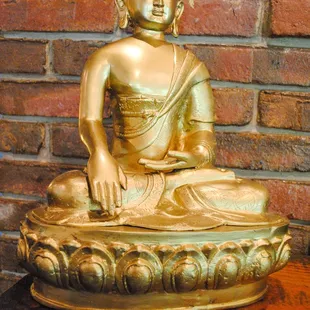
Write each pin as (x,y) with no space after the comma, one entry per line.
(180,160)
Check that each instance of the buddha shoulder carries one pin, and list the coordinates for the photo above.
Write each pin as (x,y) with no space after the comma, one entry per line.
(201,71)
(103,56)
(121,50)
(131,50)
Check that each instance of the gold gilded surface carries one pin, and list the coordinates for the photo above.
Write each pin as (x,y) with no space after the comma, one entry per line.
(151,223)
(160,172)
(135,268)
(210,300)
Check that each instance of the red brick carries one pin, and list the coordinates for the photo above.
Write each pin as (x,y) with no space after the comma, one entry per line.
(221,17)
(29,178)
(305,115)
(7,280)
(57,15)
(289,198)
(300,239)
(70,56)
(284,110)
(226,63)
(19,137)
(282,66)
(233,106)
(22,56)
(66,141)
(290,18)
(12,211)
(263,152)
(40,99)
(8,257)
(43,99)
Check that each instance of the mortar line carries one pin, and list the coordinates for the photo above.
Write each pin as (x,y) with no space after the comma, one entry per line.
(11,234)
(251,127)
(260,20)
(107,122)
(49,58)
(39,119)
(272,130)
(182,39)
(45,151)
(22,197)
(31,78)
(255,111)
(258,174)
(248,128)
(266,25)
(13,273)
(300,223)
(8,156)
(273,175)
(275,87)
(261,130)
(54,78)
(288,42)
(44,35)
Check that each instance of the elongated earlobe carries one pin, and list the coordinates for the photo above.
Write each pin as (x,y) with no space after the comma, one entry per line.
(175,24)
(175,28)
(122,13)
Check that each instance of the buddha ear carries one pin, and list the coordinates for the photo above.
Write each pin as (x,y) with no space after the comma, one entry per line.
(122,13)
(178,13)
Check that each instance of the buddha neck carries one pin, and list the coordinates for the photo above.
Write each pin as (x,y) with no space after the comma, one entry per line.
(155,38)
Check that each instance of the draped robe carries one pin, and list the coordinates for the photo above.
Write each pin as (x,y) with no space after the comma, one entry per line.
(206,198)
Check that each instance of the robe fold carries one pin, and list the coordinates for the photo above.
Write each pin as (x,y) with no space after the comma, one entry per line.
(217,198)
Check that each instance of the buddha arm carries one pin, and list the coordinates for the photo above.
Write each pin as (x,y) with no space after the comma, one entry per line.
(196,141)
(104,175)
(93,87)
(198,135)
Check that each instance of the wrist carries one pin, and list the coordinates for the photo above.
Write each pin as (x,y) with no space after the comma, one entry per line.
(101,155)
(205,154)
(100,152)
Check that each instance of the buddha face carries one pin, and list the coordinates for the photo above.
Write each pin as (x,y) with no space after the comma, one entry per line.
(154,14)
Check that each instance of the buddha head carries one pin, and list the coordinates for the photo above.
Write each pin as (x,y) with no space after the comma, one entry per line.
(156,15)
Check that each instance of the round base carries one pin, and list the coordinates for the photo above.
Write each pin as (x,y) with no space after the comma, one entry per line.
(241,295)
(132,268)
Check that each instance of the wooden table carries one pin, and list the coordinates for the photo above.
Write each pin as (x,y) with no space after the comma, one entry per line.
(289,289)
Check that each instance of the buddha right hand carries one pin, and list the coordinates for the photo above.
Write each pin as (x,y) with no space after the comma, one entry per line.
(106,178)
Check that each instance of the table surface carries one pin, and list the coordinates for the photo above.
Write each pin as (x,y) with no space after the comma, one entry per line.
(288,289)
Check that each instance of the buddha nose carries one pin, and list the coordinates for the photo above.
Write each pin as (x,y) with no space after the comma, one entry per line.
(158,3)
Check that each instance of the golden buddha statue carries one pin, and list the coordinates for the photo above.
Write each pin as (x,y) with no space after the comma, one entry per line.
(159,174)
(160,171)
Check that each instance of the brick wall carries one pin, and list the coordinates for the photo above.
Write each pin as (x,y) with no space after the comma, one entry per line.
(258,55)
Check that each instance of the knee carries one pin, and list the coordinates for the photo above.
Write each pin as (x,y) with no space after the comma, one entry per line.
(264,197)
(261,196)
(69,190)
